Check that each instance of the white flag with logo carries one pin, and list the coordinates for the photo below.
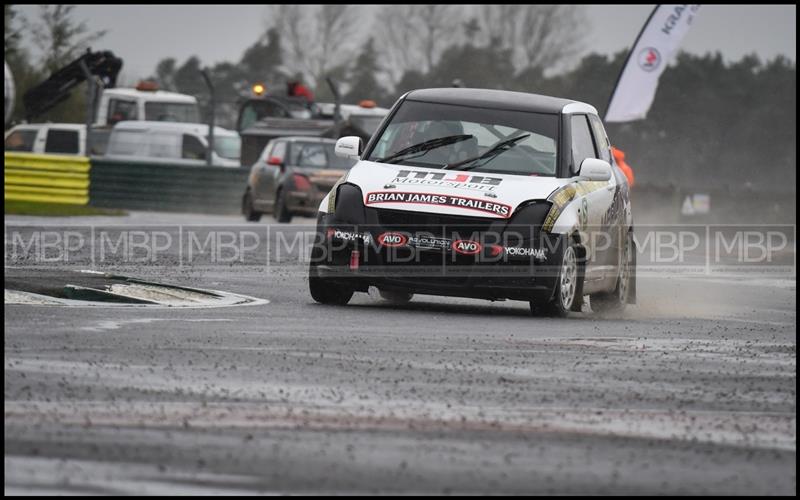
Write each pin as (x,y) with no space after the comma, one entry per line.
(660,37)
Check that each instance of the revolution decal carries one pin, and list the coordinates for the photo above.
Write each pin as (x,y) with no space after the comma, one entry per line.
(395,239)
(429,243)
(494,208)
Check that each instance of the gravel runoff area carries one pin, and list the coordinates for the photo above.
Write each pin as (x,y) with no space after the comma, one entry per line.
(691,391)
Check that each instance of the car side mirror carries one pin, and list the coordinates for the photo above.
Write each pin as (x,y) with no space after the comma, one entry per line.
(593,169)
(276,161)
(349,147)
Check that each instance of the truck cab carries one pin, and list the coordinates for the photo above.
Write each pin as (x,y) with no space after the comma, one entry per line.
(112,105)
(268,117)
(145,103)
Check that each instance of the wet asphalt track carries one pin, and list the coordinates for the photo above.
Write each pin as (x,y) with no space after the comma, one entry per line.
(691,391)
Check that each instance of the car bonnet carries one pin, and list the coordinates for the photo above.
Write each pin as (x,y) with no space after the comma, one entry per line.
(452,192)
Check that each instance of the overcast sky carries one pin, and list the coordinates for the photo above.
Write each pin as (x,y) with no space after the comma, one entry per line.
(144,34)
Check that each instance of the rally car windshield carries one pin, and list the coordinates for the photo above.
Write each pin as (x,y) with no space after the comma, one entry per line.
(455,137)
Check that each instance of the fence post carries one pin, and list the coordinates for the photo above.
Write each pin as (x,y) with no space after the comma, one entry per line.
(91,93)
(211,118)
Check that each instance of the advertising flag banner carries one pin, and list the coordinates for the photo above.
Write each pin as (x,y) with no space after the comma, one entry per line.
(654,47)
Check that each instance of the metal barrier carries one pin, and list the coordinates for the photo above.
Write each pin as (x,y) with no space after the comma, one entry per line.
(218,190)
(46,178)
(173,188)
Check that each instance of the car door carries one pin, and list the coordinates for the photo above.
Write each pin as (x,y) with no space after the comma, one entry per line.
(595,199)
(169,146)
(192,148)
(21,141)
(62,141)
(258,171)
(271,167)
(310,159)
(614,219)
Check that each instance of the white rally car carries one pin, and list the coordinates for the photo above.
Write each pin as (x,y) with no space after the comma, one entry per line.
(480,193)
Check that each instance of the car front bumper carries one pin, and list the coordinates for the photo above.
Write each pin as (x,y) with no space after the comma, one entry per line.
(356,257)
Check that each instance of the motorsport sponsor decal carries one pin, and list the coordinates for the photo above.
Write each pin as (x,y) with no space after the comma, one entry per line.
(452,180)
(616,211)
(566,194)
(584,214)
(348,236)
(536,253)
(392,239)
(429,243)
(467,247)
(395,239)
(443,200)
(424,242)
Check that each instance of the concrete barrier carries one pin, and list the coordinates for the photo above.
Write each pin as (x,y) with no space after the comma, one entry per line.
(46,178)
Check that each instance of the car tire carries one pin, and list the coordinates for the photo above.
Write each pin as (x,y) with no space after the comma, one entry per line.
(250,214)
(395,297)
(615,300)
(282,213)
(568,293)
(325,291)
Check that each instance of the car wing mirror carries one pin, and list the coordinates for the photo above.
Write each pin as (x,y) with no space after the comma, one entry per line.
(276,161)
(349,147)
(593,169)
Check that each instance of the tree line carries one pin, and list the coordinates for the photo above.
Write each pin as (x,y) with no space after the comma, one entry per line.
(713,123)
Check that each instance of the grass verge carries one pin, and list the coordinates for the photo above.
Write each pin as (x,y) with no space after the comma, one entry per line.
(56,209)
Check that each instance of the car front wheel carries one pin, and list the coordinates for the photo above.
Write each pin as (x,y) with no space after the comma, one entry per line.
(250,213)
(568,293)
(325,291)
(282,213)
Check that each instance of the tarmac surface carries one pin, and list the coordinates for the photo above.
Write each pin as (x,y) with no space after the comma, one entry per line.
(690,391)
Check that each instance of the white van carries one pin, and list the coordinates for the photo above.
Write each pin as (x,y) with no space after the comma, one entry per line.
(145,103)
(47,138)
(178,143)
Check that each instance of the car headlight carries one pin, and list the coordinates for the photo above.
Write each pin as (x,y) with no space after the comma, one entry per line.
(346,204)
(525,225)
(532,213)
